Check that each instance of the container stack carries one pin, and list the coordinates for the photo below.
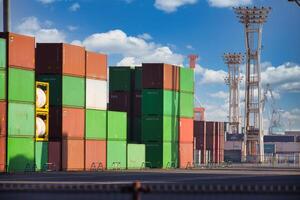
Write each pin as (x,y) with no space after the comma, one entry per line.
(186,117)
(200,153)
(3,102)
(63,67)
(210,141)
(17,101)
(136,156)
(222,142)
(96,111)
(160,109)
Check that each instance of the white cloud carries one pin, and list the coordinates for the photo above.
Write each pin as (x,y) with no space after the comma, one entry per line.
(209,76)
(145,36)
(189,47)
(74,7)
(172,5)
(229,3)
(220,95)
(46,1)
(72,28)
(32,26)
(216,112)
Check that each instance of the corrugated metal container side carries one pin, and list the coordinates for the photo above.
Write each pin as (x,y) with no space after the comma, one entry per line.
(234,137)
(137,103)
(21,85)
(2,84)
(186,104)
(21,119)
(73,123)
(159,128)
(138,78)
(269,148)
(217,142)
(116,154)
(2,153)
(55,123)
(200,136)
(135,135)
(21,50)
(3,118)
(95,124)
(233,145)
(73,154)
(96,65)
(222,141)
(187,80)
(286,147)
(96,94)
(54,155)
(41,156)
(136,156)
(95,154)
(117,125)
(59,58)
(279,138)
(234,156)
(210,139)
(120,79)
(20,159)
(186,152)
(120,101)
(2,53)
(186,130)
(74,91)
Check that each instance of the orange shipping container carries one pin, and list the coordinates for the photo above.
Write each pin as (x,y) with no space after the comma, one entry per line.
(2,118)
(2,154)
(73,123)
(96,65)
(54,155)
(186,130)
(95,154)
(73,155)
(186,152)
(21,50)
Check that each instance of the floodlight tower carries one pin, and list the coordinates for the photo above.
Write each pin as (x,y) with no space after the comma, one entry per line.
(253,19)
(233,79)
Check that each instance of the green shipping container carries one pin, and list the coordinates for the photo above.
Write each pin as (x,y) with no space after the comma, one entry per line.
(116,154)
(95,124)
(186,80)
(20,154)
(136,155)
(2,53)
(21,119)
(159,128)
(120,78)
(160,102)
(186,107)
(2,84)
(21,85)
(41,155)
(138,78)
(117,125)
(162,155)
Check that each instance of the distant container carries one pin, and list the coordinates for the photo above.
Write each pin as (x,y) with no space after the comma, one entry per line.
(3,118)
(234,137)
(222,141)
(120,79)
(279,138)
(96,94)
(120,101)
(187,80)
(21,50)
(117,125)
(159,128)
(160,76)
(95,124)
(59,58)
(2,53)
(138,74)
(41,156)
(95,155)
(186,106)
(136,156)
(73,154)
(269,148)
(186,152)
(186,130)
(20,154)
(234,156)
(160,102)
(116,154)
(96,65)
(54,155)
(21,85)
(200,137)
(217,142)
(21,119)
(233,145)
(2,84)
(210,139)
(2,153)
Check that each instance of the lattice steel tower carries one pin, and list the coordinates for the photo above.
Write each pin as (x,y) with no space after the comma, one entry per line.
(233,79)
(253,19)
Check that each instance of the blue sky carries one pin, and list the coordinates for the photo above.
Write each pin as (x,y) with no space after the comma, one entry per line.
(135,31)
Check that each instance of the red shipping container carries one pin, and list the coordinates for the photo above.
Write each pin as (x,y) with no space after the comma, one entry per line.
(160,76)
(217,142)
(96,65)
(186,130)
(59,58)
(3,118)
(210,139)
(55,123)
(95,154)
(120,101)
(200,135)
(222,142)
(186,154)
(21,50)
(54,155)
(2,154)
(73,154)
(137,109)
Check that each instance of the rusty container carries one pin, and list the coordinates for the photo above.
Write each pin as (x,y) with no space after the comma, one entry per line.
(21,50)
(96,65)
(95,155)
(3,116)
(200,136)
(60,58)
(54,155)
(217,142)
(120,101)
(73,154)
(160,76)
(222,141)
(186,152)
(137,106)
(186,130)
(210,139)
(2,153)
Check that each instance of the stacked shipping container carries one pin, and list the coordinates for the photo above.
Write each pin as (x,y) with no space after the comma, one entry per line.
(200,142)
(3,102)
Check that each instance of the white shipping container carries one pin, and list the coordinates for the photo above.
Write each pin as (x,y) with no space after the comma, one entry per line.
(287,147)
(96,94)
(233,145)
